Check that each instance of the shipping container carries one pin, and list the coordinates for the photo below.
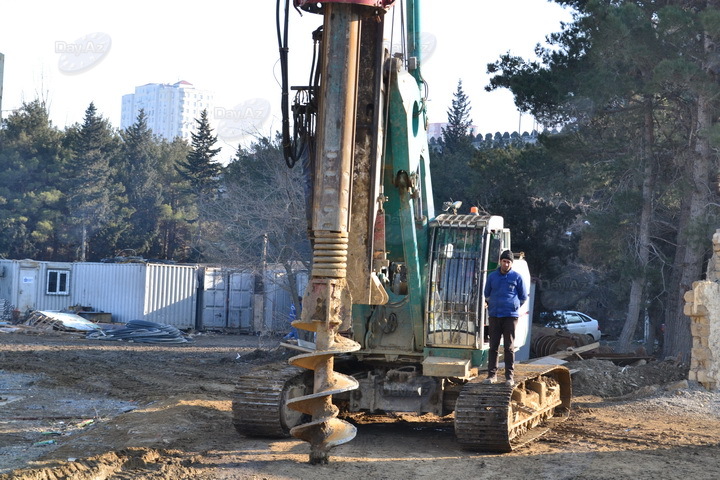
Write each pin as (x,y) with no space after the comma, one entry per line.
(184,296)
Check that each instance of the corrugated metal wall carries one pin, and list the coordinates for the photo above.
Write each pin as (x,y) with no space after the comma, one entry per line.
(46,301)
(171,294)
(277,303)
(118,288)
(8,281)
(226,299)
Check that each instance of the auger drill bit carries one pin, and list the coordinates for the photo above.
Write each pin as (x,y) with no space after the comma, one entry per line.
(327,301)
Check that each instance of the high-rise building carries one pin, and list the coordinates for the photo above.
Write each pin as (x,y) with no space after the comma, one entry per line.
(171,110)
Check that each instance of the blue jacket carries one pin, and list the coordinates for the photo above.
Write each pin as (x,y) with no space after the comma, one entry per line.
(504,293)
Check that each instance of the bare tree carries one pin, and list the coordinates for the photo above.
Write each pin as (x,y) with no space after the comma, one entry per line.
(259,217)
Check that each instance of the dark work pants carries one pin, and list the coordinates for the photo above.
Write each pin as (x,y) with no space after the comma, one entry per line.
(502,328)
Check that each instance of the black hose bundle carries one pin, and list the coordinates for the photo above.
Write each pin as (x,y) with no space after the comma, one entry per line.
(141,331)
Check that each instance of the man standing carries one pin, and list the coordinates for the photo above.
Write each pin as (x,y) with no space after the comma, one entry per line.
(504,293)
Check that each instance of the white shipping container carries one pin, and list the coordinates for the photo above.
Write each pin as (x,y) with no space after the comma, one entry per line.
(166,294)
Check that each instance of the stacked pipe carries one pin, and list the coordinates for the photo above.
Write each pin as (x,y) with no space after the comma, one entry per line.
(548,343)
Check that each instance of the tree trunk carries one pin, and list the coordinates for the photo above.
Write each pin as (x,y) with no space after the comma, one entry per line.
(637,288)
(83,243)
(689,257)
(678,340)
(291,273)
(633,313)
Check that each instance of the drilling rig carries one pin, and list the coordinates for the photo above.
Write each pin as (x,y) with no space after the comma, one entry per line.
(395,297)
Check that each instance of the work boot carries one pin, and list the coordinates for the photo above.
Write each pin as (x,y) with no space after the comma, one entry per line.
(490,379)
(509,381)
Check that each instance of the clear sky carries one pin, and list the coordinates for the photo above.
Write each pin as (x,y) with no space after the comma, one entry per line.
(230,48)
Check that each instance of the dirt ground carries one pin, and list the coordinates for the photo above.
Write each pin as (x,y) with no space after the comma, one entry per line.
(75,408)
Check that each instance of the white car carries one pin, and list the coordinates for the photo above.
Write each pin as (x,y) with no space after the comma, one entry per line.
(573,322)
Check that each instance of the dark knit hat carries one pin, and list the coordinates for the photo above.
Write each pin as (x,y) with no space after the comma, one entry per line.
(507,255)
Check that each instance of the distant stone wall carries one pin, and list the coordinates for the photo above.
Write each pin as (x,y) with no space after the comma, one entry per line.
(713,270)
(702,305)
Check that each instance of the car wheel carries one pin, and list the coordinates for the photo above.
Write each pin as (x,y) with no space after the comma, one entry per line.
(591,339)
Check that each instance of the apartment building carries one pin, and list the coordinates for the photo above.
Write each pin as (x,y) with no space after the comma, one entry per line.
(171,110)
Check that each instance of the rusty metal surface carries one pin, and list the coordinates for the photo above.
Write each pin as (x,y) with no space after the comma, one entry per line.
(366,241)
(620,359)
(544,344)
(330,299)
(327,300)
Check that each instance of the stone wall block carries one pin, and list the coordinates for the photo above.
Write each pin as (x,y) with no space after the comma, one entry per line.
(701,354)
(700,329)
(702,305)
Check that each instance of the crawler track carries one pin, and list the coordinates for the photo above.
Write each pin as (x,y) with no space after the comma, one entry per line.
(259,406)
(499,418)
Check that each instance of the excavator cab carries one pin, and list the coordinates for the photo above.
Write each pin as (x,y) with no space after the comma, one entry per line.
(462,247)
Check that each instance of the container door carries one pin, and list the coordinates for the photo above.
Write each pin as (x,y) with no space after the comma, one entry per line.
(240,300)
(214,299)
(28,289)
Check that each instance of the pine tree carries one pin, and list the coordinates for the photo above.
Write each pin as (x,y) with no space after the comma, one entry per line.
(458,133)
(203,176)
(178,208)
(139,173)
(200,168)
(89,191)
(32,155)
(450,164)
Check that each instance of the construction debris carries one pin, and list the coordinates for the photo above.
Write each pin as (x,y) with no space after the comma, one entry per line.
(66,322)
(606,379)
(620,359)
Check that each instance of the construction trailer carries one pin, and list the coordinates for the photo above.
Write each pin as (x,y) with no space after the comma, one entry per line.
(184,296)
